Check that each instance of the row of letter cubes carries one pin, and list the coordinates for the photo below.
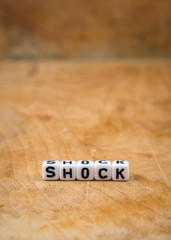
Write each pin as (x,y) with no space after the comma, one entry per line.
(85,170)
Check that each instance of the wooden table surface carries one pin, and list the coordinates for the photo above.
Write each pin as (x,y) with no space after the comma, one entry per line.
(85,110)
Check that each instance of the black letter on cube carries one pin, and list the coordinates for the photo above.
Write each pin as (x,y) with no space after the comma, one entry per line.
(85,170)
(120,170)
(103,170)
(67,170)
(50,170)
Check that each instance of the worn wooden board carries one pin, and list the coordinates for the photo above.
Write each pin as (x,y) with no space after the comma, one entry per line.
(85,110)
(85,29)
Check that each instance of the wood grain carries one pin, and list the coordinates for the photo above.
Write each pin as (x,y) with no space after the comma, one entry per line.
(85,110)
(85,29)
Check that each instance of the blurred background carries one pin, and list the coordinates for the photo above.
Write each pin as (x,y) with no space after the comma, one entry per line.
(90,29)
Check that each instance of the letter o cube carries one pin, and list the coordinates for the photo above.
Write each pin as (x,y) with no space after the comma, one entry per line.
(85,170)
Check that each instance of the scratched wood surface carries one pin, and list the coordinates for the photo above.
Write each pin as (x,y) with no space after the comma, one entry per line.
(85,29)
(87,110)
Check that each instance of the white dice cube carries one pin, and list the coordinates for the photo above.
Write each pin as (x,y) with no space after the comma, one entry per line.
(120,170)
(50,170)
(103,170)
(68,170)
(85,170)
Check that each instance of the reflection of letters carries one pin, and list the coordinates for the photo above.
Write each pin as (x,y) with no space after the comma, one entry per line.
(120,161)
(103,161)
(64,162)
(85,162)
(51,162)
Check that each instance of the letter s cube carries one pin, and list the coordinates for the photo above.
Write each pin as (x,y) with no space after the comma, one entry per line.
(50,170)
